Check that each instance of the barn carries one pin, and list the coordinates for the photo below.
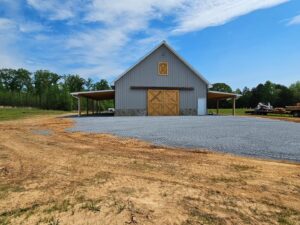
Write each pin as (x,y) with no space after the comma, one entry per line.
(162,83)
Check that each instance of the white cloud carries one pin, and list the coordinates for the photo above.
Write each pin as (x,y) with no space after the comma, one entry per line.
(104,36)
(31,27)
(294,21)
(198,15)
(6,24)
(9,57)
(56,10)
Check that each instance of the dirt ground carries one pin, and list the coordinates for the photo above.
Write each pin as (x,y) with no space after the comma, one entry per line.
(289,119)
(49,176)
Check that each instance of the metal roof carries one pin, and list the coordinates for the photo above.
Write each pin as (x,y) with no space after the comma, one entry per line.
(96,95)
(221,95)
(164,43)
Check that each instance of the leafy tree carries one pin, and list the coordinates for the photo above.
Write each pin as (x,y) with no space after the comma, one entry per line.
(74,83)
(295,88)
(22,81)
(89,84)
(243,101)
(221,87)
(6,78)
(238,91)
(102,85)
(46,83)
(284,96)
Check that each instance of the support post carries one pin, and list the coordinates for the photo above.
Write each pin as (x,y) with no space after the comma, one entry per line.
(217,106)
(93,107)
(79,106)
(97,107)
(233,106)
(87,106)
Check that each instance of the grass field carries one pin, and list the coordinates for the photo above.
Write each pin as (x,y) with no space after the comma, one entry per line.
(241,112)
(19,113)
(228,111)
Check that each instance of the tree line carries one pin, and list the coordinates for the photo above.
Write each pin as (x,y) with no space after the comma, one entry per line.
(47,90)
(276,94)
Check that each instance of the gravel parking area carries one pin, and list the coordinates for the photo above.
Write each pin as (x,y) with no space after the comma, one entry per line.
(247,136)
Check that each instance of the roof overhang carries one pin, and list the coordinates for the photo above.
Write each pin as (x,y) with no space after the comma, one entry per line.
(218,95)
(95,95)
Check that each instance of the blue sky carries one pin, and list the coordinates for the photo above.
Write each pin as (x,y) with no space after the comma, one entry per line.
(240,42)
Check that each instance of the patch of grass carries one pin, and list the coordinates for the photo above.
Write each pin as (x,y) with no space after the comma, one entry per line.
(141,166)
(242,112)
(201,217)
(80,198)
(285,221)
(4,221)
(228,111)
(91,205)
(286,216)
(120,208)
(49,221)
(119,205)
(19,113)
(54,221)
(127,190)
(241,167)
(5,216)
(102,177)
(60,207)
(196,215)
(227,180)
(5,189)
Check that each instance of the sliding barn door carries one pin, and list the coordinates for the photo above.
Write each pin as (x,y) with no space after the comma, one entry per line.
(163,102)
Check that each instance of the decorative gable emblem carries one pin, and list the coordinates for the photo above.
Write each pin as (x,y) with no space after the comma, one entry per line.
(163,68)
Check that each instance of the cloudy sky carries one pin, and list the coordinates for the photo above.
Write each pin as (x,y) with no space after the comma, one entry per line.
(240,42)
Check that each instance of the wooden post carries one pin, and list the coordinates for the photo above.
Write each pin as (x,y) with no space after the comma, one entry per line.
(233,106)
(217,106)
(93,107)
(79,106)
(87,106)
(97,110)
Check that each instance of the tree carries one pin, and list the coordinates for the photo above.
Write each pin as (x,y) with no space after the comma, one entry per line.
(243,101)
(74,83)
(295,89)
(102,85)
(22,81)
(46,87)
(221,87)
(6,78)
(89,84)
(284,96)
(238,91)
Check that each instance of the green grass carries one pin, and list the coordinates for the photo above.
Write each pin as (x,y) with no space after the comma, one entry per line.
(228,111)
(241,112)
(19,113)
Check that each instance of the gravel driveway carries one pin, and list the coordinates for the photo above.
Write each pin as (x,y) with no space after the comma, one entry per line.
(257,137)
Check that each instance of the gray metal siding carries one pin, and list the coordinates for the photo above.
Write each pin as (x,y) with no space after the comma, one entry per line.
(146,74)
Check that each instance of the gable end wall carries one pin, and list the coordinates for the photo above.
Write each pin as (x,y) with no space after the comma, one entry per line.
(134,102)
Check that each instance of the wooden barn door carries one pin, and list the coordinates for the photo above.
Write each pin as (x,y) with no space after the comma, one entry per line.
(163,102)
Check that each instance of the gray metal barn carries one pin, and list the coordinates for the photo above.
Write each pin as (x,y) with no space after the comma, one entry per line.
(161,83)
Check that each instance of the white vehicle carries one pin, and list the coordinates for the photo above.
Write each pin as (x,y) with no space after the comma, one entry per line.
(111,110)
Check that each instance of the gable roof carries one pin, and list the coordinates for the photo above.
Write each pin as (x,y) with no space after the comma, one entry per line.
(164,43)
